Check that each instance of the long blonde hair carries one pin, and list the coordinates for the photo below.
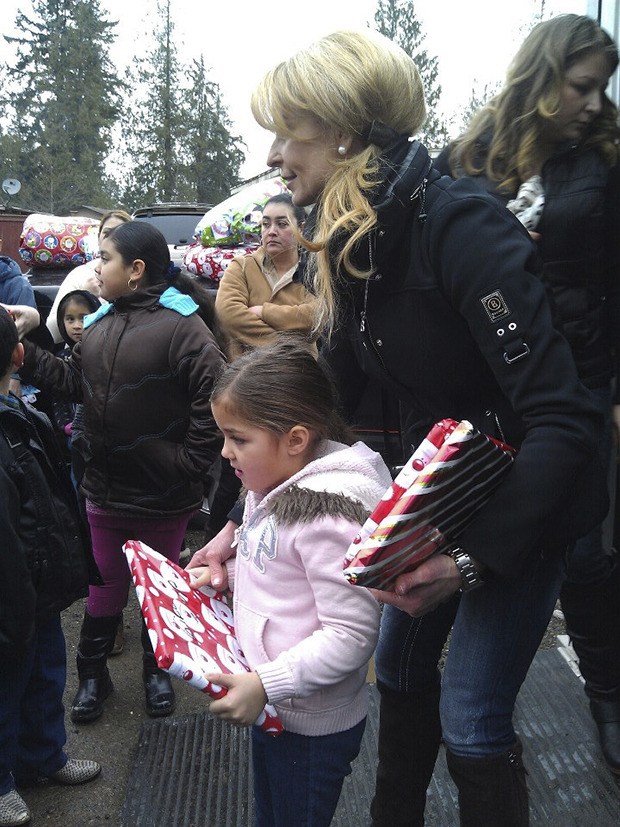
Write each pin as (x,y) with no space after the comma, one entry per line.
(518,114)
(346,82)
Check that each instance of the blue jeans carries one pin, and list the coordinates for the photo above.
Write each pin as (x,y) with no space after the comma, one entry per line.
(496,630)
(590,560)
(298,778)
(32,717)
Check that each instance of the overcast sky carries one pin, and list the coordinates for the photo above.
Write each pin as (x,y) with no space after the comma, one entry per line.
(240,40)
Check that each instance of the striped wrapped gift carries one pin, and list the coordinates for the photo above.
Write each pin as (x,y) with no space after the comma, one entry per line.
(450,476)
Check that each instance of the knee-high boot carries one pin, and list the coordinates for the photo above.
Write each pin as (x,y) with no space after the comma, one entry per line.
(592,614)
(158,691)
(96,641)
(409,739)
(492,790)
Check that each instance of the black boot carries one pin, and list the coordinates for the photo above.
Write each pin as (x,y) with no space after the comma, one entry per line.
(607,717)
(409,739)
(493,790)
(119,638)
(592,614)
(96,641)
(159,694)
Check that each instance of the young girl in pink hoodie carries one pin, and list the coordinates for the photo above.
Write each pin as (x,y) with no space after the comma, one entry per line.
(306,632)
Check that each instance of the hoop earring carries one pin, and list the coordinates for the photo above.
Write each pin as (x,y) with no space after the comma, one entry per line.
(133,285)
(342,150)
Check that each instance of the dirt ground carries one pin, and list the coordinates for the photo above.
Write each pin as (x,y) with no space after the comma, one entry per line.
(112,740)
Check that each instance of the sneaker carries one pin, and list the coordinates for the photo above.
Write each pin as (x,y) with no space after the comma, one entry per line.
(76,771)
(13,810)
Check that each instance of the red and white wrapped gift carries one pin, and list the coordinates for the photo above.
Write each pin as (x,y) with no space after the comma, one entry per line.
(192,632)
(211,262)
(449,477)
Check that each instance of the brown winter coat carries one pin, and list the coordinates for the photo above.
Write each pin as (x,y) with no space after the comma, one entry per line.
(144,374)
(289,308)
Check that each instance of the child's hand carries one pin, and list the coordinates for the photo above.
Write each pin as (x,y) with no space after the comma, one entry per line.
(201,576)
(244,701)
(214,555)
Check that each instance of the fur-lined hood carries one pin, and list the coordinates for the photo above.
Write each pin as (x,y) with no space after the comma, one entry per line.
(343,481)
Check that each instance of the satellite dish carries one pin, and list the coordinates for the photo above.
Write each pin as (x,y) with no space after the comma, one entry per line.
(11,186)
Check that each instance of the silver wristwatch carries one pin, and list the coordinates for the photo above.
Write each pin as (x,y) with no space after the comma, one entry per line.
(470,576)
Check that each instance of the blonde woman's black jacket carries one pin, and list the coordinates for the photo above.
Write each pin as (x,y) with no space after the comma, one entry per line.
(456,322)
(45,557)
(144,374)
(580,250)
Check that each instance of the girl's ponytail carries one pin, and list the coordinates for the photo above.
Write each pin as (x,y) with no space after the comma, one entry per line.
(280,386)
(206,303)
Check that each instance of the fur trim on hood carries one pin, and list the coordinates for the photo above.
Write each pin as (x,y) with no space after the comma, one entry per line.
(342,481)
(301,505)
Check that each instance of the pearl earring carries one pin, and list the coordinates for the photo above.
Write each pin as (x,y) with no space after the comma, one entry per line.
(342,150)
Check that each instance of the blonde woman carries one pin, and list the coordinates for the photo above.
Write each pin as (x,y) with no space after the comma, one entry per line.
(433,291)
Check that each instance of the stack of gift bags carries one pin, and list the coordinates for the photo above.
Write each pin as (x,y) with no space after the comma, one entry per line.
(230,229)
(55,242)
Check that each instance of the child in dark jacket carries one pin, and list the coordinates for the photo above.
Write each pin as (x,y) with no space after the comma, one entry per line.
(45,565)
(143,370)
(66,416)
(69,416)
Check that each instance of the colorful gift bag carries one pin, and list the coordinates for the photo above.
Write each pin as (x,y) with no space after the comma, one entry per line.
(211,262)
(237,219)
(52,241)
(192,632)
(451,474)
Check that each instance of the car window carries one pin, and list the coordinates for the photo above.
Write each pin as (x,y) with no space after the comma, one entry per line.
(176,229)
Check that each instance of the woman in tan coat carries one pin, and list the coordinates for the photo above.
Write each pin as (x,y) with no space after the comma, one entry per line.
(261,294)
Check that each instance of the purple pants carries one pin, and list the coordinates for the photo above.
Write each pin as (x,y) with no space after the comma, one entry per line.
(109,533)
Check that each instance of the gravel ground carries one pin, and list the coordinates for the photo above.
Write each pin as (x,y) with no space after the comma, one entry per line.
(112,740)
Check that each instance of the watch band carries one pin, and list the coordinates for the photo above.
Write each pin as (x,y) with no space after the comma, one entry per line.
(470,576)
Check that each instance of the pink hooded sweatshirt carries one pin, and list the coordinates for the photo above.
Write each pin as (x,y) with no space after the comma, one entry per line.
(306,631)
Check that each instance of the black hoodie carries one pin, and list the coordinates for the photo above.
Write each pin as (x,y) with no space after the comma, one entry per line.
(91,301)
(62,412)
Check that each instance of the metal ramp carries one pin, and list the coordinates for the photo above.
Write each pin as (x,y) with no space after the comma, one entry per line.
(194,771)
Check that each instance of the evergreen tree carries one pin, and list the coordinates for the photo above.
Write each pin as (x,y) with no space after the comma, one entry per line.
(176,131)
(212,155)
(151,120)
(396,19)
(61,100)
(477,100)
